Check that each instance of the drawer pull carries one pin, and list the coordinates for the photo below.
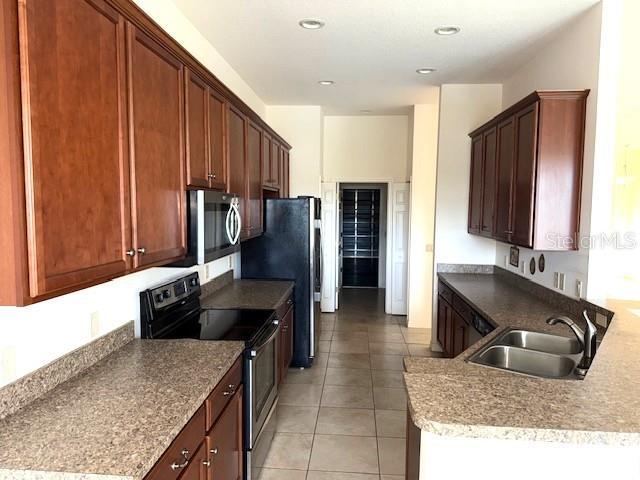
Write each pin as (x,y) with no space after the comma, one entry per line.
(289,302)
(185,456)
(226,393)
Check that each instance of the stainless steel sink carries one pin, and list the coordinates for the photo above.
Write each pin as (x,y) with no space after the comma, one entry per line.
(529,362)
(531,353)
(541,342)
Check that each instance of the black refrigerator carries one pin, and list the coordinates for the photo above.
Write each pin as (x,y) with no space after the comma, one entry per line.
(289,249)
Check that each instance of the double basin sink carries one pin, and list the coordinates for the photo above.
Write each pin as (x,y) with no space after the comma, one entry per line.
(531,353)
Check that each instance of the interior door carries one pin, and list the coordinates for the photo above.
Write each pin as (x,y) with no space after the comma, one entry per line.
(75,148)
(196,120)
(400,195)
(526,123)
(330,242)
(157,151)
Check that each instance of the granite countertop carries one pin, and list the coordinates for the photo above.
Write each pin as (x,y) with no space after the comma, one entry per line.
(116,419)
(452,397)
(251,294)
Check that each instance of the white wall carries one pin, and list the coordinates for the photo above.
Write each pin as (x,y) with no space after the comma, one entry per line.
(301,126)
(173,21)
(568,61)
(366,149)
(422,213)
(36,335)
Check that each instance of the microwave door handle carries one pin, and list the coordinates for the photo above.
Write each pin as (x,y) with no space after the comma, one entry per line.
(228,225)
(238,224)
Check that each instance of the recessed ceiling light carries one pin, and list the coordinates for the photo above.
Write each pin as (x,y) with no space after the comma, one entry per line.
(311,24)
(326,82)
(447,30)
(425,71)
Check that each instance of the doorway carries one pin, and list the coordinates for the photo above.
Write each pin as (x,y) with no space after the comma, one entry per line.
(362,227)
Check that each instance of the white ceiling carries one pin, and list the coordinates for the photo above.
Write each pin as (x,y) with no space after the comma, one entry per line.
(371,48)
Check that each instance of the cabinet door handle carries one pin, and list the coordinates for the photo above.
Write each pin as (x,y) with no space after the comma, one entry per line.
(185,462)
(130,253)
(142,251)
(209,462)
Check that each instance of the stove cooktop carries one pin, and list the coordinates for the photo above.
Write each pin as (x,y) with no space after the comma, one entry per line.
(239,325)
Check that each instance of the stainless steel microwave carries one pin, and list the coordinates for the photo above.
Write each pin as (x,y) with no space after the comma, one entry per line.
(213,226)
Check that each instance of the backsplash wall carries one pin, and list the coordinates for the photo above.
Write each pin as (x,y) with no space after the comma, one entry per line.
(573,264)
(36,335)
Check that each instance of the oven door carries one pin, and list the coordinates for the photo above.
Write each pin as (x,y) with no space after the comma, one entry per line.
(262,369)
(219,225)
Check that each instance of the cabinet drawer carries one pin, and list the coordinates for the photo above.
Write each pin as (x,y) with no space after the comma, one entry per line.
(222,393)
(182,452)
(464,310)
(445,291)
(282,310)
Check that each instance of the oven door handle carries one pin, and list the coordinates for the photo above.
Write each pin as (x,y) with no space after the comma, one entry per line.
(254,351)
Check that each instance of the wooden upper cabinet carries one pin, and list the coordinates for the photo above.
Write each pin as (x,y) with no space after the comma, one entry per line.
(538,171)
(506,133)
(266,160)
(217,133)
(236,152)
(284,176)
(488,181)
(157,151)
(526,123)
(196,102)
(475,185)
(75,149)
(253,213)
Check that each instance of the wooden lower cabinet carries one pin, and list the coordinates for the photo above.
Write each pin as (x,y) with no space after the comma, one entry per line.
(216,454)
(412,468)
(286,344)
(224,443)
(453,330)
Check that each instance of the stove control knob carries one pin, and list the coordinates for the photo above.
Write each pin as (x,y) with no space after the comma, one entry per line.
(193,282)
(166,293)
(159,298)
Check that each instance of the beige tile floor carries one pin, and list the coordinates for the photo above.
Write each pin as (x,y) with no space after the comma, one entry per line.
(345,418)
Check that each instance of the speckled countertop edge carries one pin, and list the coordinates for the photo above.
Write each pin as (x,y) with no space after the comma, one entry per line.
(249,294)
(609,392)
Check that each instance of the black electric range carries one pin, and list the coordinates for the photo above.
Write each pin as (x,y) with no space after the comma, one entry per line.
(173,311)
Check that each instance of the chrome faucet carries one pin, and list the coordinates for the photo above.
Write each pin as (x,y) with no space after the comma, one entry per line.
(587,339)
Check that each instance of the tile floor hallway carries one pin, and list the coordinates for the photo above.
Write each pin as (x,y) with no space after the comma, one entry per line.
(344,418)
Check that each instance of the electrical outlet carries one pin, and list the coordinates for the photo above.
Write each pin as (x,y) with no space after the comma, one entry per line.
(207,271)
(7,364)
(506,261)
(522,267)
(556,280)
(601,320)
(561,284)
(95,324)
(579,288)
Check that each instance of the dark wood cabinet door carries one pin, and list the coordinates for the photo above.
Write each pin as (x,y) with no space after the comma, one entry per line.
(157,151)
(276,167)
(75,149)
(196,119)
(224,442)
(284,188)
(217,133)
(254,180)
(475,186)
(275,159)
(526,124)
(460,331)
(445,326)
(504,179)
(488,181)
(236,147)
(266,160)
(286,343)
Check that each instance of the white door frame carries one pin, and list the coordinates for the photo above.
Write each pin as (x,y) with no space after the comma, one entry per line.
(395,293)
